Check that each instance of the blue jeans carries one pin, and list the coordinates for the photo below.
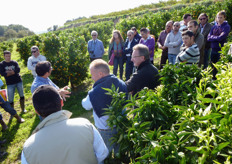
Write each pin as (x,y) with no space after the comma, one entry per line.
(118,61)
(11,91)
(172,58)
(129,67)
(206,57)
(7,107)
(215,56)
(106,136)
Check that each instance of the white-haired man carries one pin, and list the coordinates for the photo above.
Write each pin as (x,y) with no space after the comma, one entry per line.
(95,47)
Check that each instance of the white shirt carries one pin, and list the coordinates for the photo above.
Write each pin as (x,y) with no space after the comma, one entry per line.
(100,149)
(128,46)
(100,123)
(32,61)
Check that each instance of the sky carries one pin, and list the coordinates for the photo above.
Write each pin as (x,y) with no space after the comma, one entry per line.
(39,15)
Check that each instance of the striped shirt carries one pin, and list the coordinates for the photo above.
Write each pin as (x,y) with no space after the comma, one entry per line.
(189,55)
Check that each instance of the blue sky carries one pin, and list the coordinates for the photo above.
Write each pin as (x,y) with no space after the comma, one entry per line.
(42,14)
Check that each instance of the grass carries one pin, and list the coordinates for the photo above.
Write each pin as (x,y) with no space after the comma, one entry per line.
(16,134)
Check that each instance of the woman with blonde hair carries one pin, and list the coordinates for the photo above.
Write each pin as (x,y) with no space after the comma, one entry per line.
(116,47)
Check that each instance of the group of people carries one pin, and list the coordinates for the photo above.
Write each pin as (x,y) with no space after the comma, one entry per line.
(203,42)
(76,140)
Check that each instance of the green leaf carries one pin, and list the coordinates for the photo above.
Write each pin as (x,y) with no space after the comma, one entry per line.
(196,149)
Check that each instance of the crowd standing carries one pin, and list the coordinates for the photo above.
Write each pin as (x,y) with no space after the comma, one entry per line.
(77,140)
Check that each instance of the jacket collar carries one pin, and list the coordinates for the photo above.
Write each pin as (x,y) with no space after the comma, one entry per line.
(53,118)
(146,62)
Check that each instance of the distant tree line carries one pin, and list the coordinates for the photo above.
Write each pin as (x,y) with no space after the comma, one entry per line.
(14,31)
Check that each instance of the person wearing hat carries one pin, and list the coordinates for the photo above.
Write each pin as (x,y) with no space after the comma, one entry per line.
(59,139)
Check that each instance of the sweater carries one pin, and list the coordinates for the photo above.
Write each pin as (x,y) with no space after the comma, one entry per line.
(173,42)
(150,43)
(98,96)
(32,61)
(189,55)
(12,65)
(218,35)
(146,76)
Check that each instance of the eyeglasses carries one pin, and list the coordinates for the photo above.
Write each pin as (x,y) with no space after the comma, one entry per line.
(135,56)
(94,35)
(176,25)
(202,18)
(33,51)
(128,35)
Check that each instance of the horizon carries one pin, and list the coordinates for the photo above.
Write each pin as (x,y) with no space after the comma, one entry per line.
(39,17)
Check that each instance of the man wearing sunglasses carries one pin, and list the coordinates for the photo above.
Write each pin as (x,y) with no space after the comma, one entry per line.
(95,47)
(205,29)
(34,59)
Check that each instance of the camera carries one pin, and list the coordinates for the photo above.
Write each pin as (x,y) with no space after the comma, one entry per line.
(91,52)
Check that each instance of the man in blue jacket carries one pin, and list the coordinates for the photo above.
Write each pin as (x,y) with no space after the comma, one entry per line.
(95,47)
(127,52)
(217,37)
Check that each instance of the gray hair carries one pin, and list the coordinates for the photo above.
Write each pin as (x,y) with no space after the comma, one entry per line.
(94,32)
(130,31)
(34,47)
(169,22)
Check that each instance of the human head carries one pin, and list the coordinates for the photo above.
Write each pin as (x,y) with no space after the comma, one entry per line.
(193,26)
(43,68)
(46,100)
(221,17)
(35,51)
(187,18)
(135,30)
(203,19)
(176,26)
(168,26)
(116,35)
(94,35)
(188,38)
(130,34)
(99,69)
(7,56)
(140,54)
(144,33)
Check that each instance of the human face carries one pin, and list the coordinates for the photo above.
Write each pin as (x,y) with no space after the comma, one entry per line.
(130,36)
(144,35)
(188,41)
(220,19)
(176,27)
(202,20)
(135,32)
(136,59)
(96,74)
(35,52)
(94,36)
(192,28)
(168,27)
(115,35)
(189,18)
(7,57)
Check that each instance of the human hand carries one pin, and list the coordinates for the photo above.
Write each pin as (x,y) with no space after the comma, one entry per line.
(64,92)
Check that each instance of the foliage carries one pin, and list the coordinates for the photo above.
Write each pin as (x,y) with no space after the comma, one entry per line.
(179,83)
(5,46)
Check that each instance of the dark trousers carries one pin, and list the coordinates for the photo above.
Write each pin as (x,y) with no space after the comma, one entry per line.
(206,57)
(129,67)
(215,56)
(92,59)
(118,61)
(164,58)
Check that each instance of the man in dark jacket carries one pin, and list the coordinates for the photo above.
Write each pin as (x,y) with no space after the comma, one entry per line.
(217,37)
(146,74)
(205,29)
(198,38)
(127,52)
(136,34)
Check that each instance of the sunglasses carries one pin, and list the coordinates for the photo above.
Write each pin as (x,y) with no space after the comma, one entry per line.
(202,19)
(33,51)
(94,35)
